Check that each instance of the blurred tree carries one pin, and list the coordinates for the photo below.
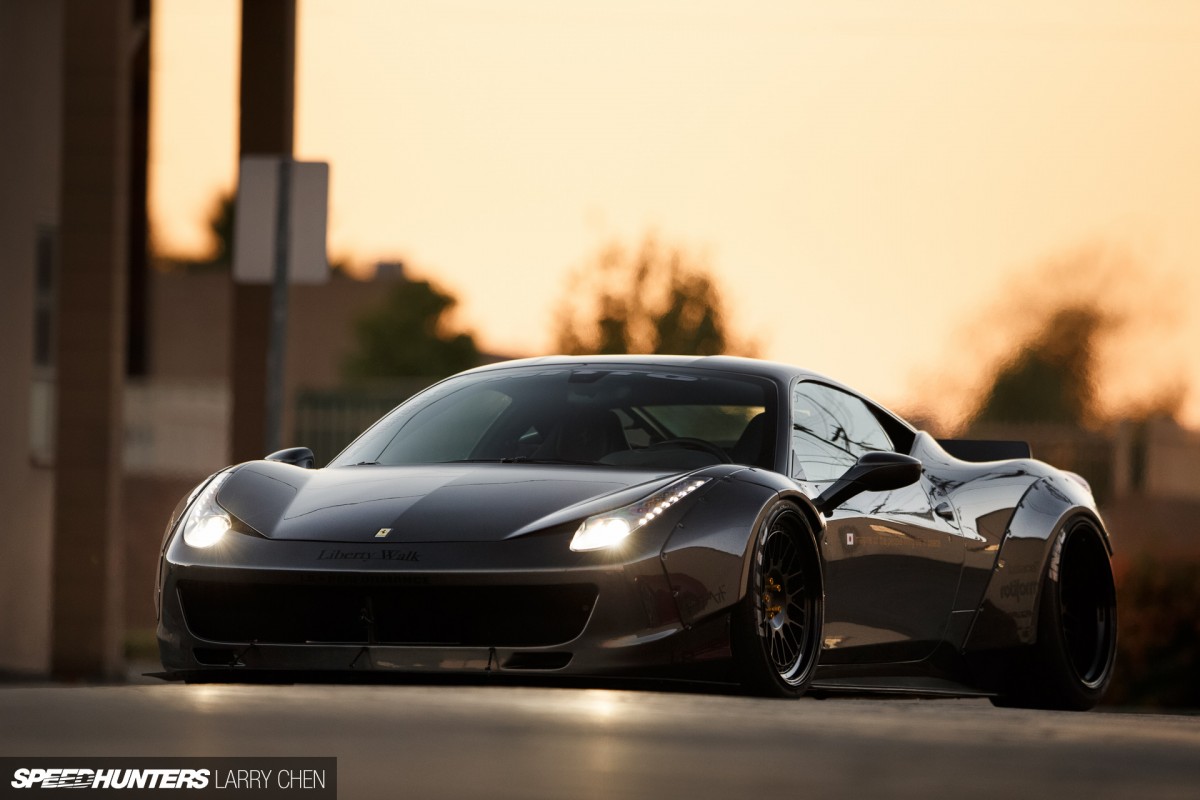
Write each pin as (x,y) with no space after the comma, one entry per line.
(407,336)
(220,224)
(220,251)
(1068,367)
(1051,379)
(1088,336)
(655,300)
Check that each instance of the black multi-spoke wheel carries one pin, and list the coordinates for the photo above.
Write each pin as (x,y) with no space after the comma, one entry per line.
(777,633)
(1070,665)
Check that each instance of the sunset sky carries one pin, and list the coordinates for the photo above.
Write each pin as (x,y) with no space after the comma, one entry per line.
(871,182)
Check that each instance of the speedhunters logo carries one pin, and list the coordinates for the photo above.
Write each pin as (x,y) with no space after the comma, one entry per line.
(161,777)
(67,778)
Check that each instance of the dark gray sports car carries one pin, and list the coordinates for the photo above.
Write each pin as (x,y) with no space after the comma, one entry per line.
(704,518)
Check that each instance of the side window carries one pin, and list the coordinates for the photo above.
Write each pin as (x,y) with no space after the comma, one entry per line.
(830,430)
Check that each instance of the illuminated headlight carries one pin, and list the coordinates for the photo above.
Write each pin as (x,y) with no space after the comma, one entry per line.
(206,523)
(611,528)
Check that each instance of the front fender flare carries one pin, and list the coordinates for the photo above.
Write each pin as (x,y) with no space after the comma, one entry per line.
(707,556)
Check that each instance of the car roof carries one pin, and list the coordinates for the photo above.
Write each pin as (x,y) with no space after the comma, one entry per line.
(778,372)
(774,370)
(747,366)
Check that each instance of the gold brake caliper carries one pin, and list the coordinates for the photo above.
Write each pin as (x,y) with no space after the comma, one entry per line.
(770,598)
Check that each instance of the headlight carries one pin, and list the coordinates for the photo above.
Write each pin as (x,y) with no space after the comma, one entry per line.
(205,522)
(610,528)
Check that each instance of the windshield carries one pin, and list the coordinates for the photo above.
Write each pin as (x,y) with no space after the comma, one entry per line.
(653,418)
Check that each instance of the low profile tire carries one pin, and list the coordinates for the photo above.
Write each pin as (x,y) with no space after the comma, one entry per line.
(1071,664)
(777,626)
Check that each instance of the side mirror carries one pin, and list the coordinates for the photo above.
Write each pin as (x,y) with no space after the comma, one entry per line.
(874,472)
(296,456)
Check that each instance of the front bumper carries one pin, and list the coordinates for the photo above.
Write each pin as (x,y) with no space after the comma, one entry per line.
(526,606)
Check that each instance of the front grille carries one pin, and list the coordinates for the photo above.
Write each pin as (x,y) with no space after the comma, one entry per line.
(466,616)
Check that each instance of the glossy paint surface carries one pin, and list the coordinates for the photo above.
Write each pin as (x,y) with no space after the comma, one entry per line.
(919,580)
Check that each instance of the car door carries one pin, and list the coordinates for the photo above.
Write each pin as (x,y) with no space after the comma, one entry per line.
(892,563)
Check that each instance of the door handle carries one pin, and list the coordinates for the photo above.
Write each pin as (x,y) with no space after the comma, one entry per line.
(946,512)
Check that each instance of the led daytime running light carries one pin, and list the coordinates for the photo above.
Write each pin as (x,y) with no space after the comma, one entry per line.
(609,529)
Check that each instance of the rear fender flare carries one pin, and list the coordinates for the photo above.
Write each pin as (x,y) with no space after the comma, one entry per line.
(1008,615)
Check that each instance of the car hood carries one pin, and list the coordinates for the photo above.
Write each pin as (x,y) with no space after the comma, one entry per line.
(428,502)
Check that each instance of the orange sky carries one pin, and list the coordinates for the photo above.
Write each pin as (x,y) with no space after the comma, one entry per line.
(865,178)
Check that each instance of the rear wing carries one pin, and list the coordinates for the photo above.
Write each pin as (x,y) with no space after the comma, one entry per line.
(985,449)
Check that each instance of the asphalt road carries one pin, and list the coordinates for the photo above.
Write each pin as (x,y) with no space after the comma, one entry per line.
(422,741)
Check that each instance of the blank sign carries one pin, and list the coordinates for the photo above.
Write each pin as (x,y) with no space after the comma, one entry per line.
(255,221)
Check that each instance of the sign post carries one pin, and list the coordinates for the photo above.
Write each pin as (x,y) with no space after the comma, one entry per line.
(279,238)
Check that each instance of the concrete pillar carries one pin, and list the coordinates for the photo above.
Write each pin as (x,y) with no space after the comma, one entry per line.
(30,124)
(267,112)
(87,565)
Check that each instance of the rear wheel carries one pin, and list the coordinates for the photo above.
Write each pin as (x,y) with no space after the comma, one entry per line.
(1070,665)
(777,627)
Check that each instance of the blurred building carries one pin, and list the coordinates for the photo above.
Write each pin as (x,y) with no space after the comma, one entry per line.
(73,100)
(117,394)
(74,105)
(177,414)
(30,79)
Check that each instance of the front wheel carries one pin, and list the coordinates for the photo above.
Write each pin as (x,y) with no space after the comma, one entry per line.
(1071,664)
(777,626)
